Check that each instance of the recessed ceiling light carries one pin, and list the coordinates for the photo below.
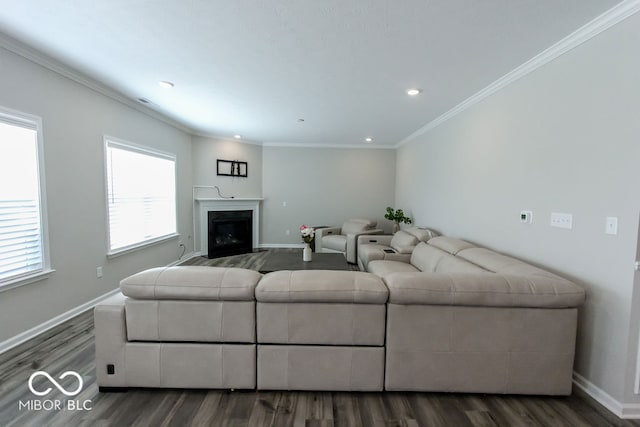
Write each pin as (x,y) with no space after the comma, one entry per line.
(237,136)
(368,139)
(166,84)
(414,92)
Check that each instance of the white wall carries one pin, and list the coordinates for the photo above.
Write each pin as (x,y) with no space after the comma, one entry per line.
(563,139)
(75,119)
(323,186)
(206,151)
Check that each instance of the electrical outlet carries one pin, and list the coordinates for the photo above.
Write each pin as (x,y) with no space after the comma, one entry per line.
(287,232)
(99,272)
(562,220)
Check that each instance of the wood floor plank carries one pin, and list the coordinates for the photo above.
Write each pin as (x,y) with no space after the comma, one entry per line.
(345,410)
(480,418)
(208,406)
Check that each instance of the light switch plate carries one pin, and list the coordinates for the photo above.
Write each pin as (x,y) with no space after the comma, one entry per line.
(562,220)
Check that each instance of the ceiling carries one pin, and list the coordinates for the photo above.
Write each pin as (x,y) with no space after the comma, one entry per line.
(254,68)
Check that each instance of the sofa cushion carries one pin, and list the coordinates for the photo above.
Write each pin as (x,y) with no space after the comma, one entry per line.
(403,242)
(382,268)
(423,234)
(482,289)
(336,242)
(428,258)
(449,244)
(192,283)
(499,263)
(322,286)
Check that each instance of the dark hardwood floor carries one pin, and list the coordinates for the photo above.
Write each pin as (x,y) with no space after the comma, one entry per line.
(70,346)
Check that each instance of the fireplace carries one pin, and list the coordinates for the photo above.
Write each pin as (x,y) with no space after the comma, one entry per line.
(229,232)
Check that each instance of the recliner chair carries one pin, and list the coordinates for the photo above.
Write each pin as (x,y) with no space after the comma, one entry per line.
(344,239)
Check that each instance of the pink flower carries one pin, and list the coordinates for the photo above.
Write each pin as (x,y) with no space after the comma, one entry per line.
(307,233)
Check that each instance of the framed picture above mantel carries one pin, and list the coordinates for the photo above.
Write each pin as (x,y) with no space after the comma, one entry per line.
(232,168)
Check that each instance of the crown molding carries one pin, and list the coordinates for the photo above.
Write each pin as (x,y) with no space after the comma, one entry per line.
(344,146)
(601,23)
(225,138)
(12,45)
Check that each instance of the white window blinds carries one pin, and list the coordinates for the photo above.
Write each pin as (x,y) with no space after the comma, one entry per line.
(141,195)
(21,236)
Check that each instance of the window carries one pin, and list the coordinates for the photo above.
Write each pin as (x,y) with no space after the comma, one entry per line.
(24,253)
(141,195)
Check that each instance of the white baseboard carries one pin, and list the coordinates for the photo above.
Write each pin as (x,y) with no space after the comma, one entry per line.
(282,245)
(184,258)
(630,411)
(260,246)
(43,327)
(621,410)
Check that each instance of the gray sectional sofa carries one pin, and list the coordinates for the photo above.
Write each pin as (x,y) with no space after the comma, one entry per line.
(453,317)
(465,318)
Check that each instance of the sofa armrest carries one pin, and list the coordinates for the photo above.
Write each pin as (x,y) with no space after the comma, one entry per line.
(352,244)
(375,239)
(483,289)
(110,339)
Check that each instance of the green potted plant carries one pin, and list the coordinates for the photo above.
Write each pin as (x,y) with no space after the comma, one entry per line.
(397,216)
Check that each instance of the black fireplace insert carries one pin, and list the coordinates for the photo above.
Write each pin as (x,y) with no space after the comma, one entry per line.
(230,233)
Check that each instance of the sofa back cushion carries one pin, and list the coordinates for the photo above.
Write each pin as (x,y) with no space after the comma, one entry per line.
(450,244)
(502,264)
(423,234)
(403,242)
(483,290)
(430,259)
(192,283)
(426,258)
(354,226)
(322,286)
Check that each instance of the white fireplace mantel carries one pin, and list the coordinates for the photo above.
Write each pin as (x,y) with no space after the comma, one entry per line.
(223,204)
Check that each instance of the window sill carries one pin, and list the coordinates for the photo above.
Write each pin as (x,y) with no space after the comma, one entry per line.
(25,280)
(128,249)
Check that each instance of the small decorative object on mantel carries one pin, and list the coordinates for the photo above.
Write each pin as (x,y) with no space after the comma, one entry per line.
(397,216)
(232,168)
(307,237)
